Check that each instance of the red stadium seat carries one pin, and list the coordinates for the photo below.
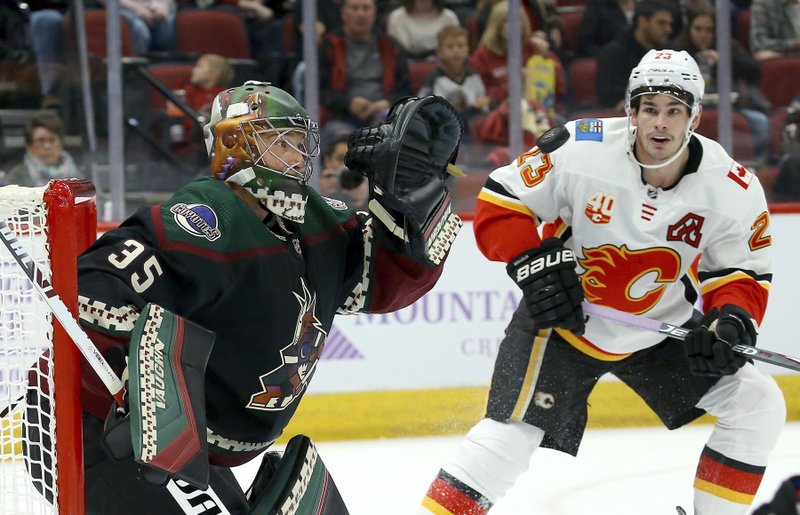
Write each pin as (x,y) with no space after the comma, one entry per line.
(173,75)
(779,80)
(201,31)
(418,71)
(570,22)
(582,73)
(96,39)
(743,150)
(744,28)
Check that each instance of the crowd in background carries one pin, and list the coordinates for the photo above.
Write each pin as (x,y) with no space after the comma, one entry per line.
(576,55)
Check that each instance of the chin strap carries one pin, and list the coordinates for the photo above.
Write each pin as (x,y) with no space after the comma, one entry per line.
(631,146)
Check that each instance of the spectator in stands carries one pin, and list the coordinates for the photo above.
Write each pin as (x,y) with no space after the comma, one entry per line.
(652,25)
(265,33)
(332,166)
(541,14)
(699,40)
(601,22)
(48,42)
(787,184)
(774,28)
(453,79)
(490,58)
(362,72)
(329,18)
(45,157)
(415,23)
(211,74)
(152,24)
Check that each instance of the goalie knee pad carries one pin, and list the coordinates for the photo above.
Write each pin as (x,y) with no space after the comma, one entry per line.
(299,483)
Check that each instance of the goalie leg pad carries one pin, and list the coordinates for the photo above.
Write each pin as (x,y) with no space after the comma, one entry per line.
(167,361)
(300,484)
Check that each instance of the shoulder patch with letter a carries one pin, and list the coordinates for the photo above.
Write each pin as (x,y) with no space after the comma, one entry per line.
(589,129)
(740,175)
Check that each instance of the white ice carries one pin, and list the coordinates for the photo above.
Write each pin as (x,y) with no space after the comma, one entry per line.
(617,472)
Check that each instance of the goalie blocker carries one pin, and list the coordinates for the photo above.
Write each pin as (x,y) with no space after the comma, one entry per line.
(407,159)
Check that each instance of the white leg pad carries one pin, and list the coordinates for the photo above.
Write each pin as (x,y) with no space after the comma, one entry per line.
(493,455)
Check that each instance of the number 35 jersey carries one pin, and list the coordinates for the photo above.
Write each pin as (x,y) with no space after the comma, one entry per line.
(640,249)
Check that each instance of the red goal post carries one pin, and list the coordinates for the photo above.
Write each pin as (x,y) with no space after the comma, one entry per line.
(41,452)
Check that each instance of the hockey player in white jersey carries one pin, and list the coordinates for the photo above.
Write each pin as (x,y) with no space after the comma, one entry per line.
(639,214)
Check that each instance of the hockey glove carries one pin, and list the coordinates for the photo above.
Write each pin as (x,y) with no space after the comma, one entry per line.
(407,159)
(708,347)
(550,286)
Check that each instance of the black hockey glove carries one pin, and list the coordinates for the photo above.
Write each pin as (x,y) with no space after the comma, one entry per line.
(550,286)
(708,347)
(407,160)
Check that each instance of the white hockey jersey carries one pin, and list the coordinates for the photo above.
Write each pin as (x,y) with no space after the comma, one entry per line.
(640,249)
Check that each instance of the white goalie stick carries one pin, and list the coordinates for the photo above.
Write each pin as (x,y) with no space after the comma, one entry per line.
(678,332)
(62,313)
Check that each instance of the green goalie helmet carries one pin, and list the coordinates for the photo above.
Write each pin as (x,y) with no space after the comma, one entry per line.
(261,138)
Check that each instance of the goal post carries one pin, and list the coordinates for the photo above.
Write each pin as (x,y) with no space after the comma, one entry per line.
(41,452)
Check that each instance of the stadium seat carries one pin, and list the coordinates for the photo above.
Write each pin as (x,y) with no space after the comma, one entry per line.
(418,71)
(203,31)
(96,39)
(582,80)
(173,75)
(570,22)
(743,150)
(779,80)
(744,28)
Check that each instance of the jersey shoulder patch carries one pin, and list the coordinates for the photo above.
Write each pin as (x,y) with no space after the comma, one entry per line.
(589,129)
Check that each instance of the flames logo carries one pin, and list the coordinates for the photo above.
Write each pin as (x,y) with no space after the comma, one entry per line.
(286,382)
(611,273)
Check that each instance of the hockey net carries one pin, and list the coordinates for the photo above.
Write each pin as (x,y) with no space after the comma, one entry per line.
(41,455)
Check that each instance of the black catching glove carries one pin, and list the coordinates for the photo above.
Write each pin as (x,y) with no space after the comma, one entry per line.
(708,347)
(550,286)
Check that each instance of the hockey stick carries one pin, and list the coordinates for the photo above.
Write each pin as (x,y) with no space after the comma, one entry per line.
(62,313)
(680,333)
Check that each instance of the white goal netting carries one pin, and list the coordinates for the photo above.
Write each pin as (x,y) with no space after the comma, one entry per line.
(27,453)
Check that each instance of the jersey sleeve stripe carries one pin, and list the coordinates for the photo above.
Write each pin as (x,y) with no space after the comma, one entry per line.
(504,202)
(710,284)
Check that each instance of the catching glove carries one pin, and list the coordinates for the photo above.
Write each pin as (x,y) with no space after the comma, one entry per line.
(407,159)
(550,286)
(708,347)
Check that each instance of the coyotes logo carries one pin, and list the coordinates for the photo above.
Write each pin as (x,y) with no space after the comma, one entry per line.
(628,280)
(285,383)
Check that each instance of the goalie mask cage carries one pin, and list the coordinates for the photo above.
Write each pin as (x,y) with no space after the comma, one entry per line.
(41,452)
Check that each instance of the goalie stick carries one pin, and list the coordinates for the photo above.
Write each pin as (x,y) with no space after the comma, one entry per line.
(678,332)
(62,313)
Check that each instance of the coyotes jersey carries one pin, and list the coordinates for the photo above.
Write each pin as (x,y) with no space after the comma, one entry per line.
(269,298)
(640,249)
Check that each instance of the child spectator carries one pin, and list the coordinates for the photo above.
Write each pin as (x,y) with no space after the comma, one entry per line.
(491,56)
(453,79)
(211,74)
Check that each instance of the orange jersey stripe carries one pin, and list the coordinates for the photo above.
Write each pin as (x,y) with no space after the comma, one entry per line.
(503,229)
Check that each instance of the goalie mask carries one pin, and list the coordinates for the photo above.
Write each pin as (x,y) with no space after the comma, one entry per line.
(666,72)
(261,138)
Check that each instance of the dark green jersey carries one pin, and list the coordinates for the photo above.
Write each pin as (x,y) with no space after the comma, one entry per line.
(269,297)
